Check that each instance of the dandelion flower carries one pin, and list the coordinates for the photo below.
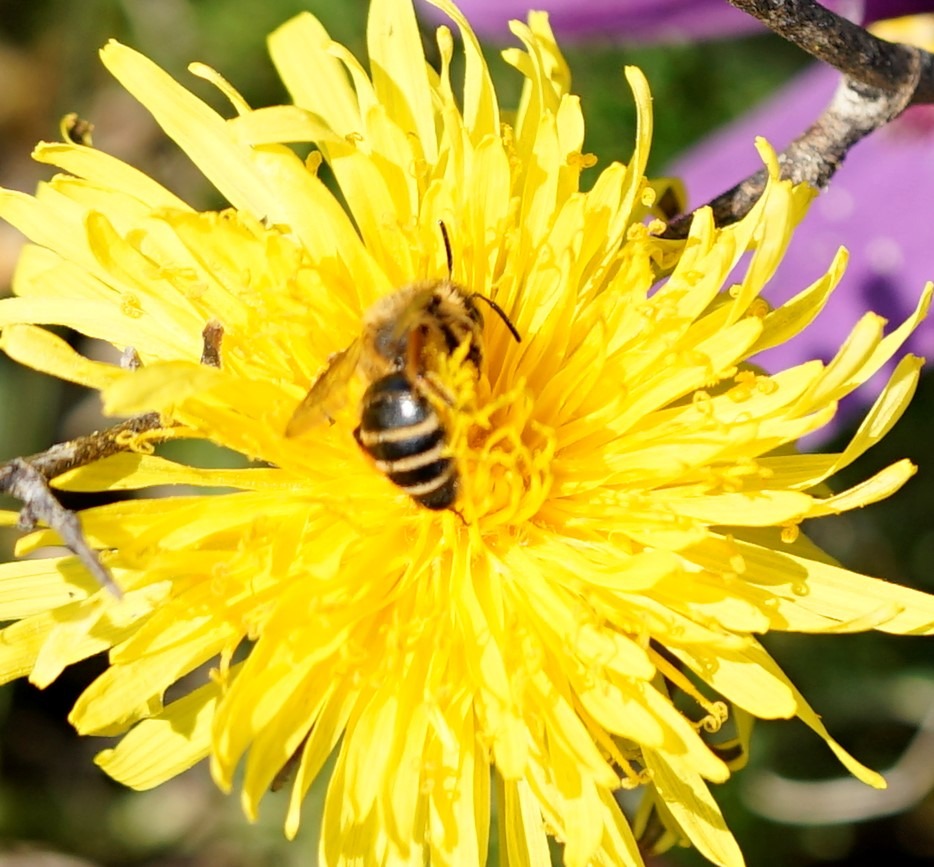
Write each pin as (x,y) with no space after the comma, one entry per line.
(626,525)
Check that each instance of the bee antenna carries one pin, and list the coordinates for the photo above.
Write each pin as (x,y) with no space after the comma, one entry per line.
(502,315)
(447,247)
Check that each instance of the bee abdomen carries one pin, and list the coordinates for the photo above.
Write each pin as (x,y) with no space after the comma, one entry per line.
(401,431)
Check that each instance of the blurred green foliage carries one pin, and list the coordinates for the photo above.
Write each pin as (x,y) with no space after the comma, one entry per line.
(52,798)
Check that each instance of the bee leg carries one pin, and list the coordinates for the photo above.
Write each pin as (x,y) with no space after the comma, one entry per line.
(430,387)
(422,380)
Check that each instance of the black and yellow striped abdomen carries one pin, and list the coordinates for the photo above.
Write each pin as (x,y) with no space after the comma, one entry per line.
(401,431)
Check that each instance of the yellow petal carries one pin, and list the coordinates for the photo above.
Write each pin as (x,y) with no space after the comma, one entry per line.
(521,828)
(129,471)
(819,596)
(399,72)
(315,78)
(686,794)
(115,699)
(100,168)
(198,130)
(886,410)
(162,747)
(481,112)
(29,587)
(279,124)
(793,316)
(883,484)
(95,624)
(38,348)
(748,677)
(158,387)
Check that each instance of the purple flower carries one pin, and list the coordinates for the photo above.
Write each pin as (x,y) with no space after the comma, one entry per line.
(620,20)
(654,20)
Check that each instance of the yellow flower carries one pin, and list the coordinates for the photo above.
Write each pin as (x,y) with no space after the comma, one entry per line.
(627,518)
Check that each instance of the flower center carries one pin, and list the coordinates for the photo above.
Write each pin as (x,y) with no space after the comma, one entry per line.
(504,454)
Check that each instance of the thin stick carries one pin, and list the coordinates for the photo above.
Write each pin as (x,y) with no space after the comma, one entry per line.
(27,479)
(881,79)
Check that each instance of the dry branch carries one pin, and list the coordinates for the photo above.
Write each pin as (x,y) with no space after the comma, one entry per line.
(880,80)
(27,479)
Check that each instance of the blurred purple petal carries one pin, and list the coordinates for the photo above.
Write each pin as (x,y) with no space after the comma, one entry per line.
(877,10)
(647,20)
(619,20)
(877,205)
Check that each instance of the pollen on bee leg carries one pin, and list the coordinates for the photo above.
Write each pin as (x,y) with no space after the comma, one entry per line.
(455,377)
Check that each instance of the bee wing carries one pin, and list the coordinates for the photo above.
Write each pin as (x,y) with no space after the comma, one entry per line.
(328,393)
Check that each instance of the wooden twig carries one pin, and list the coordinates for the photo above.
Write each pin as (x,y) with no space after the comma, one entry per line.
(87,449)
(852,49)
(211,338)
(27,479)
(26,483)
(881,79)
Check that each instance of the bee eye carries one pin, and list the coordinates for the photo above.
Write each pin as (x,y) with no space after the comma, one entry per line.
(388,346)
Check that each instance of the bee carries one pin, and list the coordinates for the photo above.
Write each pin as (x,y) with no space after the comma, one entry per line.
(402,336)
